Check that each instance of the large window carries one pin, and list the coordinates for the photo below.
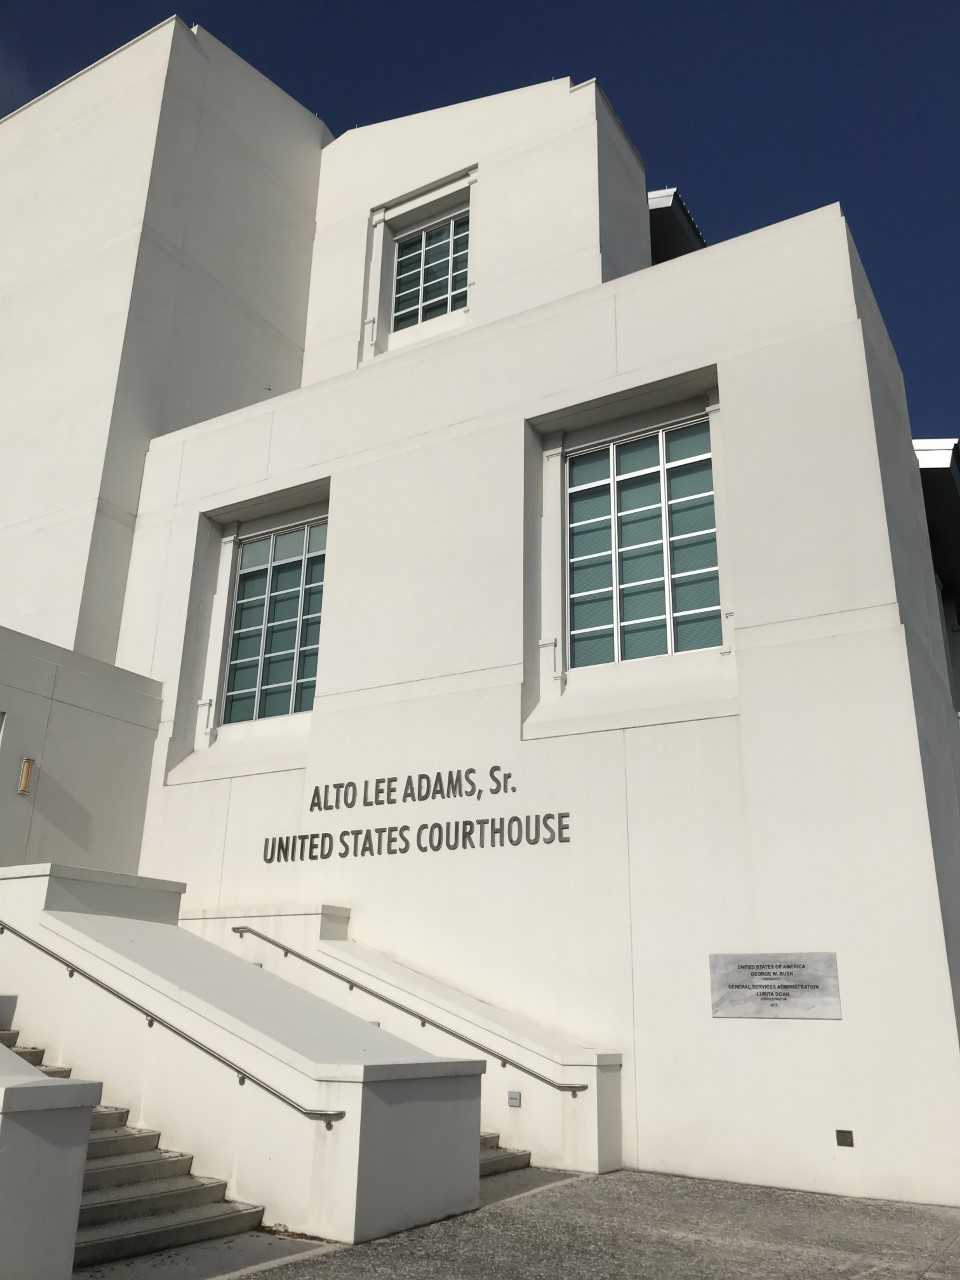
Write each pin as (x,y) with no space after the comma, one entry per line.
(642,549)
(272,661)
(431,274)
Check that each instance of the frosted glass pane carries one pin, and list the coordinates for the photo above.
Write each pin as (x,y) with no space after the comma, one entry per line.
(308,666)
(692,516)
(288,545)
(588,467)
(248,615)
(587,651)
(252,585)
(696,477)
(643,642)
(595,611)
(591,576)
(638,454)
(637,566)
(274,702)
(317,538)
(280,639)
(254,554)
(283,608)
(641,602)
(304,697)
(246,645)
(311,633)
(243,677)
(687,442)
(694,553)
(312,600)
(590,541)
(239,708)
(286,577)
(277,670)
(641,528)
(589,505)
(698,632)
(695,593)
(315,570)
(641,491)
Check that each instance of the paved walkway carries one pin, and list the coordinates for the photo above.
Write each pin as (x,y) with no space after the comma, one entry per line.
(639,1226)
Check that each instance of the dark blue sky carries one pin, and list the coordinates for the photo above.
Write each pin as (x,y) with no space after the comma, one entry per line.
(758,111)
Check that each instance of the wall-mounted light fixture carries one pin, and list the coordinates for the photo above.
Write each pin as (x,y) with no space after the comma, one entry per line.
(26,775)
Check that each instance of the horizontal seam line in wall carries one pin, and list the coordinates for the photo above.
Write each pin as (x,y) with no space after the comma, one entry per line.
(620,728)
(106,715)
(830,613)
(261,915)
(253,771)
(401,684)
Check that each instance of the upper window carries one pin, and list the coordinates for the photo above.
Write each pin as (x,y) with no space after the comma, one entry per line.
(431,271)
(642,549)
(272,660)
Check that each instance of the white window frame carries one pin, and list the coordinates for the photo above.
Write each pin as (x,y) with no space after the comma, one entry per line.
(421,229)
(611,442)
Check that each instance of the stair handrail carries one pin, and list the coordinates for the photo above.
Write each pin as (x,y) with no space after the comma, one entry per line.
(422,1018)
(243,1076)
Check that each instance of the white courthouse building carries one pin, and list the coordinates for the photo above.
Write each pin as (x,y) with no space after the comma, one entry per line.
(422,554)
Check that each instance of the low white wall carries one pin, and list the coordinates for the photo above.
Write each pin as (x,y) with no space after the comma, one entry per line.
(44,1126)
(91,729)
(353,1179)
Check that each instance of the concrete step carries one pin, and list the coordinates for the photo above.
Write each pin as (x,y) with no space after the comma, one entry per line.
(500,1161)
(489,1140)
(121,1142)
(9,1038)
(136,1236)
(142,1166)
(59,1073)
(109,1117)
(29,1054)
(141,1199)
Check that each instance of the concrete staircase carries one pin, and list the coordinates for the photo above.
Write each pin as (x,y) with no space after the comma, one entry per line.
(497,1159)
(138,1198)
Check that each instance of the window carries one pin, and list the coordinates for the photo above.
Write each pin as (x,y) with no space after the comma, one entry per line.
(272,661)
(642,571)
(431,271)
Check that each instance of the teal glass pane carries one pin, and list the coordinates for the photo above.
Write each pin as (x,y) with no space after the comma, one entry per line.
(254,554)
(591,576)
(436,290)
(590,541)
(694,553)
(404,322)
(688,442)
(239,708)
(409,247)
(317,539)
(312,600)
(283,608)
(304,697)
(461,223)
(248,615)
(436,271)
(288,545)
(407,301)
(246,645)
(436,235)
(691,517)
(589,505)
(252,585)
(242,677)
(281,639)
(458,302)
(285,577)
(277,670)
(595,611)
(434,309)
(274,702)
(437,253)
(646,527)
(308,666)
(459,280)
(315,571)
(695,477)
(637,603)
(638,454)
(641,491)
(638,566)
(310,633)
(695,593)
(643,642)
(703,631)
(588,467)
(459,260)
(588,651)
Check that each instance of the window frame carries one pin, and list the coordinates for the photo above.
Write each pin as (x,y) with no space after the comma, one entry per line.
(611,441)
(421,228)
(272,532)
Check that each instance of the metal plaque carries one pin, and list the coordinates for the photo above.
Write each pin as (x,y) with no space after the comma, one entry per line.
(776,984)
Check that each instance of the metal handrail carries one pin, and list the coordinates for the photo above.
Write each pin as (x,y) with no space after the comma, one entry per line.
(572,1089)
(328,1117)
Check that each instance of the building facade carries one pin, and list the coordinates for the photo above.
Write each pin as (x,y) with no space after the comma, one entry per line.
(545,590)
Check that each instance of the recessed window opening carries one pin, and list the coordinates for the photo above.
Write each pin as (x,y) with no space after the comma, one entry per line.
(642,575)
(278,595)
(430,277)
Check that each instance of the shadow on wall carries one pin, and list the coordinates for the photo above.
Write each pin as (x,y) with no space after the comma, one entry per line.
(8,1007)
(58,806)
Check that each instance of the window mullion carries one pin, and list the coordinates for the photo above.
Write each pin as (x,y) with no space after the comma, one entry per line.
(615,547)
(450,268)
(423,267)
(665,526)
(296,643)
(263,627)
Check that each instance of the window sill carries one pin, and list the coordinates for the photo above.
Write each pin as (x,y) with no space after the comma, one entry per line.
(277,745)
(419,333)
(648,691)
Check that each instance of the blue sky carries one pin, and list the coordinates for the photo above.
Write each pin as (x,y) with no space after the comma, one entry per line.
(758,111)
